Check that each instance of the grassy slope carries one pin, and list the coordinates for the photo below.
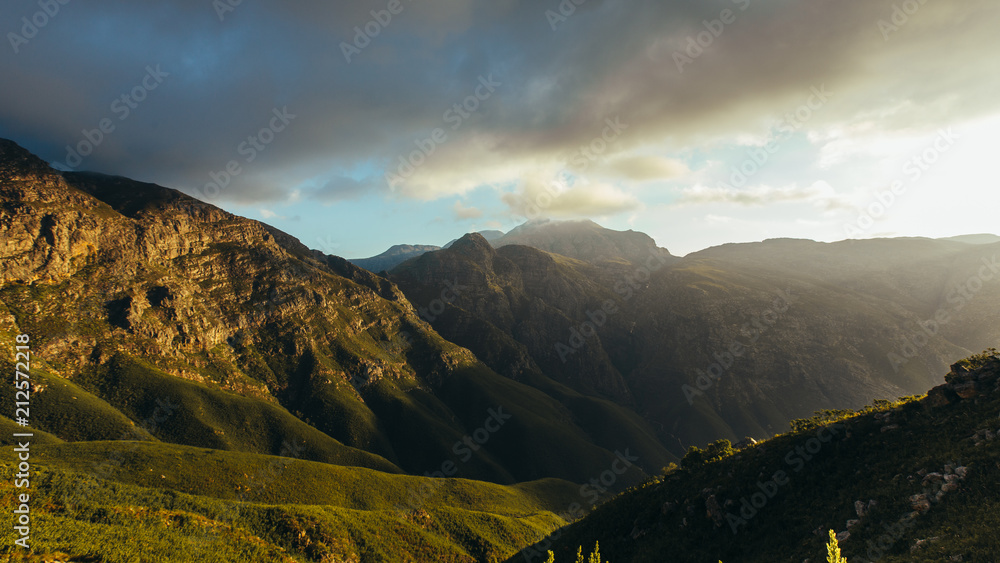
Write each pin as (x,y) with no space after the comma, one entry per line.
(129,394)
(182,503)
(640,526)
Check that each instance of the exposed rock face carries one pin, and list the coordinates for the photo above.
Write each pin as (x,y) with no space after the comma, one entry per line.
(98,267)
(963,383)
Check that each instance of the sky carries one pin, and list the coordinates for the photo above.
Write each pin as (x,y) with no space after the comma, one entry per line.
(358,125)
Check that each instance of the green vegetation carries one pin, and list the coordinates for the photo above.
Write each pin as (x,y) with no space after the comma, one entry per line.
(878,455)
(829,416)
(714,452)
(116,500)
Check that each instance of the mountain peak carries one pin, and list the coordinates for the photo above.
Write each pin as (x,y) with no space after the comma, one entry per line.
(16,159)
(474,246)
(584,240)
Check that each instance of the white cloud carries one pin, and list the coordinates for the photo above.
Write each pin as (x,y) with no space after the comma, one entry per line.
(462,212)
(819,193)
(644,168)
(537,197)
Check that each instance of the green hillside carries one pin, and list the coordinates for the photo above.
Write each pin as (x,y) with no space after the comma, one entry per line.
(912,480)
(114,500)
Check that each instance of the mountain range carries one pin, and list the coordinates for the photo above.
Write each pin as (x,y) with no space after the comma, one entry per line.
(460,397)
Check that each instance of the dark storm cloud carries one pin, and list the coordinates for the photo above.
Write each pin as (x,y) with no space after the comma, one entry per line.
(226,79)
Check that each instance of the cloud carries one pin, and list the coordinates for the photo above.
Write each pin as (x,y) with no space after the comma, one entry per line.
(819,193)
(342,188)
(462,212)
(643,168)
(538,198)
(227,77)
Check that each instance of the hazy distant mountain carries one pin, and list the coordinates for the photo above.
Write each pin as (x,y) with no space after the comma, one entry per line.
(984,238)
(393,257)
(400,253)
(584,240)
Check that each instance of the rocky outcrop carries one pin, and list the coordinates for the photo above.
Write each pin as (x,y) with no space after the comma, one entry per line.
(964,383)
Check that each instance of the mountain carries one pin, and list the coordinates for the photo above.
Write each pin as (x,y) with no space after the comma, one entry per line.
(584,240)
(138,299)
(729,342)
(400,253)
(489,235)
(913,480)
(204,383)
(975,239)
(393,257)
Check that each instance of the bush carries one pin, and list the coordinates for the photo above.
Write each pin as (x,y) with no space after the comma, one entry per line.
(715,451)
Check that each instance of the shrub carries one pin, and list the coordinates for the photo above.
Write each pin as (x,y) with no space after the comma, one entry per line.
(715,451)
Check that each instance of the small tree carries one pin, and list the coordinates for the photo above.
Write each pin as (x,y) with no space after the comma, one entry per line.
(833,550)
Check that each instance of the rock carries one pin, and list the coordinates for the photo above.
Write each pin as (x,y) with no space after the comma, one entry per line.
(920,502)
(923,543)
(932,478)
(852,523)
(949,487)
(859,508)
(714,511)
(966,390)
(843,536)
(941,395)
(962,472)
(890,427)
